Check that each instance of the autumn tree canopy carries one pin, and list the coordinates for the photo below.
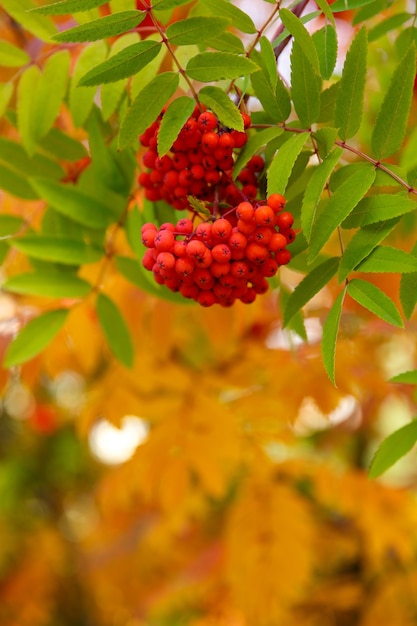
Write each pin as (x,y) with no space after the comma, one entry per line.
(207,313)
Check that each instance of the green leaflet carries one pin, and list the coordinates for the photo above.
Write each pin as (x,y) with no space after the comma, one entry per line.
(164,5)
(408,378)
(9,225)
(345,5)
(52,284)
(194,30)
(65,7)
(343,200)
(56,143)
(372,298)
(305,87)
(324,6)
(125,63)
(328,103)
(108,26)
(14,157)
(112,93)
(35,337)
(390,23)
(315,189)
(391,122)
(393,448)
(255,142)
(349,101)
(73,203)
(174,118)
(23,13)
(329,338)
(277,108)
(219,102)
(115,330)
(81,100)
(57,249)
(268,60)
(147,106)
(6,92)
(378,208)
(237,17)
(325,40)
(362,244)
(388,259)
(309,286)
(210,66)
(12,56)
(226,42)
(408,289)
(281,166)
(48,101)
(301,36)
(26,94)
(15,183)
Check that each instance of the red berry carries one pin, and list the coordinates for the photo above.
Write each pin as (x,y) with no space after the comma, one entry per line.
(278,242)
(164,240)
(276,202)
(209,141)
(283,257)
(264,216)
(245,211)
(221,253)
(256,253)
(222,229)
(207,121)
(284,220)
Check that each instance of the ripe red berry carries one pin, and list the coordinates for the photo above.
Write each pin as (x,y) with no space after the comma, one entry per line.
(283,257)
(221,229)
(226,141)
(207,121)
(221,253)
(206,298)
(256,253)
(164,240)
(256,164)
(245,211)
(276,202)
(284,220)
(277,242)
(209,141)
(264,216)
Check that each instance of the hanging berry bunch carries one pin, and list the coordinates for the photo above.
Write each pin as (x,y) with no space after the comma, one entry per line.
(200,163)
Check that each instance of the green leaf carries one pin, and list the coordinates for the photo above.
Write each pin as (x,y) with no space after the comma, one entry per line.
(134,272)
(408,289)
(12,56)
(122,65)
(108,26)
(9,225)
(407,378)
(390,23)
(226,42)
(388,259)
(47,101)
(393,448)
(378,208)
(277,108)
(174,118)
(343,200)
(16,184)
(73,203)
(35,337)
(305,87)
(324,6)
(325,40)
(219,102)
(115,330)
(255,143)
(147,106)
(372,298)
(57,249)
(314,190)
(26,95)
(269,62)
(52,284)
(237,17)
(164,5)
(194,30)
(329,338)
(14,156)
(350,97)
(346,5)
(112,93)
(6,92)
(362,244)
(81,100)
(39,25)
(391,122)
(328,103)
(281,166)
(301,36)
(309,286)
(65,7)
(211,66)
(56,143)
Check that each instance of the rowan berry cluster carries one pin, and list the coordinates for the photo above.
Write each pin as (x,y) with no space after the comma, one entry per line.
(199,163)
(223,259)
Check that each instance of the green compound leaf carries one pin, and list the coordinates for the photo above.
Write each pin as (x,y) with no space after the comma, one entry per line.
(305,87)
(281,166)
(343,200)
(35,337)
(309,286)
(393,448)
(372,298)
(12,56)
(301,36)
(73,203)
(362,244)
(220,103)
(276,105)
(210,66)
(65,7)
(391,122)
(329,338)
(314,190)
(388,259)
(174,118)
(115,330)
(123,64)
(108,26)
(325,41)
(81,100)
(379,208)
(407,378)
(350,97)
(57,249)
(48,283)
(195,30)
(147,106)
(237,17)
(255,143)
